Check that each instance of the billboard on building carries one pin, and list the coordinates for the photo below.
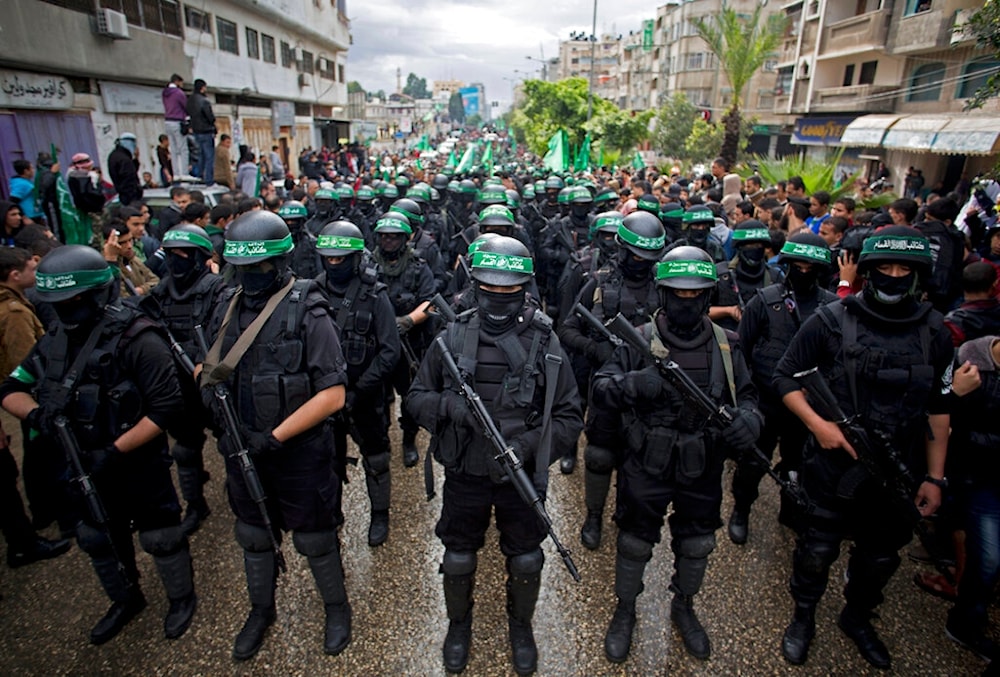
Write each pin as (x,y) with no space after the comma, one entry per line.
(470,100)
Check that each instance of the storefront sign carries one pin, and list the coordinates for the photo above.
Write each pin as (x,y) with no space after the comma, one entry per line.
(30,90)
(820,131)
(121,98)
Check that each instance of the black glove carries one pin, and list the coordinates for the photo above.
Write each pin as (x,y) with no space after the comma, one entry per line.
(350,400)
(743,432)
(40,419)
(262,444)
(404,323)
(455,408)
(601,351)
(103,460)
(644,384)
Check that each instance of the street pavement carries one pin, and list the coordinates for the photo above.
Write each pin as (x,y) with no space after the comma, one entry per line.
(47,609)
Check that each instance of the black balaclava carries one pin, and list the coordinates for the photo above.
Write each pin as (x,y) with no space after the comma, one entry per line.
(499,311)
(338,275)
(891,296)
(633,269)
(80,317)
(393,254)
(698,236)
(802,282)
(685,316)
(258,286)
(184,271)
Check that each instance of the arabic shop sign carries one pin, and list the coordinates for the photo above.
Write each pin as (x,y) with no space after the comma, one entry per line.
(31,90)
(824,131)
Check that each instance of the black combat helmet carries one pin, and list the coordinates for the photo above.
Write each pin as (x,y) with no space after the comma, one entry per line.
(71,270)
(502,261)
(256,236)
(642,234)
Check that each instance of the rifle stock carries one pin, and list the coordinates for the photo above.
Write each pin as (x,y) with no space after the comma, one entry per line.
(505,455)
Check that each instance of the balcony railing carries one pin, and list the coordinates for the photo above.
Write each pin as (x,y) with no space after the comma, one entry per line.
(856,33)
(859,98)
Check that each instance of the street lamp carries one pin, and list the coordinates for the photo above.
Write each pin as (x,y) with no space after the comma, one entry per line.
(593,47)
(545,66)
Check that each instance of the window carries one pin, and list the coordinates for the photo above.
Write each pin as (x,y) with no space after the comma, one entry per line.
(307,62)
(848,75)
(770,65)
(199,21)
(974,75)
(340,72)
(695,62)
(925,84)
(267,48)
(868,69)
(916,6)
(253,46)
(287,57)
(227,35)
(783,85)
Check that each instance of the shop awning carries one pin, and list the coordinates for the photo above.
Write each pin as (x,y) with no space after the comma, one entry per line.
(915,132)
(867,130)
(969,135)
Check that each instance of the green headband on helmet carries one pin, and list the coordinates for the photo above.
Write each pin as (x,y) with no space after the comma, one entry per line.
(673,214)
(193,239)
(476,244)
(267,248)
(605,221)
(638,240)
(496,210)
(340,242)
(752,234)
(393,223)
(699,216)
(413,217)
(670,269)
(84,279)
(808,251)
(917,247)
(504,262)
(287,212)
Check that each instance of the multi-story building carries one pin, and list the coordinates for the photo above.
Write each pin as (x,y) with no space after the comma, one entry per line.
(888,81)
(78,73)
(575,57)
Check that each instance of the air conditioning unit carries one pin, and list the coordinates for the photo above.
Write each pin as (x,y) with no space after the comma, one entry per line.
(322,63)
(112,24)
(803,69)
(303,80)
(959,30)
(297,53)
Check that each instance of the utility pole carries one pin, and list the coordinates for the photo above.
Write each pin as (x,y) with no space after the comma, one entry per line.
(399,80)
(593,48)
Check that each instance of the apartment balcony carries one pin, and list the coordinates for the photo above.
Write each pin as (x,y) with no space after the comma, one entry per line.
(921,32)
(798,102)
(865,32)
(856,99)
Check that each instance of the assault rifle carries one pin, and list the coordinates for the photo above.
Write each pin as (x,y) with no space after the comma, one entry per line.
(505,455)
(442,308)
(242,454)
(717,416)
(71,447)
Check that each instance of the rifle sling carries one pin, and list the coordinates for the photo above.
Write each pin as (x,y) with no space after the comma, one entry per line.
(218,372)
(62,392)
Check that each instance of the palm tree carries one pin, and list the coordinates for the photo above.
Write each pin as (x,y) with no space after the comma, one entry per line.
(741,44)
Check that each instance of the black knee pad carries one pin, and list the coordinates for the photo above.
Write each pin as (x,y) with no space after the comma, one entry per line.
(526,564)
(881,564)
(695,547)
(634,548)
(93,541)
(252,538)
(161,542)
(315,543)
(376,464)
(458,562)
(185,454)
(818,557)
(599,459)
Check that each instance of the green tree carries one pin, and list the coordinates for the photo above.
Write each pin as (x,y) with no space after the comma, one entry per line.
(353,87)
(674,122)
(620,129)
(741,43)
(549,106)
(456,110)
(705,140)
(475,120)
(416,87)
(985,26)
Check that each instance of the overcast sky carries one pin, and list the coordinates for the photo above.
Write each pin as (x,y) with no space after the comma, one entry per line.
(473,40)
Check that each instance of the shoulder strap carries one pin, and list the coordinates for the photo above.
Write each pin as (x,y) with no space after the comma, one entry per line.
(553,363)
(725,350)
(216,371)
(296,305)
(61,393)
(771,294)
(849,328)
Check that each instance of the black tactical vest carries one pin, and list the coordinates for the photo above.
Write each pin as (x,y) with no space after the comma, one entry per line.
(354,313)
(181,315)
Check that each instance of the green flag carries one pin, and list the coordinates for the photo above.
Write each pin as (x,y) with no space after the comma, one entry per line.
(487,160)
(600,155)
(452,160)
(637,161)
(420,165)
(513,146)
(76,226)
(424,144)
(557,157)
(582,161)
(256,185)
(468,157)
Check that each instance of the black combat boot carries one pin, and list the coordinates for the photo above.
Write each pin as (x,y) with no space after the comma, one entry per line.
(178,580)
(410,453)
(329,574)
(628,586)
(689,572)
(799,634)
(35,549)
(127,600)
(458,601)
(522,594)
(379,492)
(261,578)
(567,463)
(590,533)
(858,626)
(739,526)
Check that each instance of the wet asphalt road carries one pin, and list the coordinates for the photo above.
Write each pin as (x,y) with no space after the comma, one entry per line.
(399,619)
